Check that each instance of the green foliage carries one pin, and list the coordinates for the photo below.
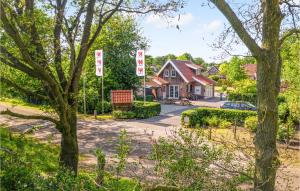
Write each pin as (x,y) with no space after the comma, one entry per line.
(185,56)
(286,130)
(147,110)
(224,124)
(251,123)
(212,121)
(290,74)
(29,165)
(216,78)
(186,161)
(198,116)
(119,114)
(245,86)
(233,69)
(249,97)
(283,112)
(100,166)
(149,98)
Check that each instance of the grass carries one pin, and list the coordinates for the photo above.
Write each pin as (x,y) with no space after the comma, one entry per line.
(19,102)
(43,158)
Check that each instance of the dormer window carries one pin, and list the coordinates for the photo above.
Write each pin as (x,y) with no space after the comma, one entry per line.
(198,71)
(166,73)
(173,73)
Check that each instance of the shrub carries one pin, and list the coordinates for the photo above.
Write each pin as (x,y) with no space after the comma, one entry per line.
(90,107)
(215,77)
(286,131)
(198,115)
(119,114)
(251,123)
(283,112)
(224,124)
(148,98)
(187,161)
(147,110)
(250,97)
(212,121)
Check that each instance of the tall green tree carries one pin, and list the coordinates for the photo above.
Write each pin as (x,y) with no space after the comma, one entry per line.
(233,70)
(119,37)
(46,58)
(261,26)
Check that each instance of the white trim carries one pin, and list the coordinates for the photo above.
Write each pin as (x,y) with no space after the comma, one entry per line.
(157,81)
(200,81)
(165,73)
(191,66)
(170,62)
(174,91)
(172,70)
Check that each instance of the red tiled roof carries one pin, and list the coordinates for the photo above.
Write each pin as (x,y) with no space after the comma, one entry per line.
(250,69)
(160,80)
(188,73)
(184,69)
(204,80)
(156,82)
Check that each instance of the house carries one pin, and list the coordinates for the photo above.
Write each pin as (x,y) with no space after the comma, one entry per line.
(181,79)
(250,70)
(213,70)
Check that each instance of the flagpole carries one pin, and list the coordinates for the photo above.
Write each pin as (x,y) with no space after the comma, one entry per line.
(102,92)
(145,86)
(84,97)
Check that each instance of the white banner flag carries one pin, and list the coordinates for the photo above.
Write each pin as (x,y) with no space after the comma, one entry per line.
(99,62)
(140,63)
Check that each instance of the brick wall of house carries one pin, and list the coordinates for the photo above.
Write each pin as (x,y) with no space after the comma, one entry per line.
(174,81)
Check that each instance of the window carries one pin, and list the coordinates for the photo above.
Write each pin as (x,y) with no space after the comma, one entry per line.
(198,71)
(173,73)
(166,73)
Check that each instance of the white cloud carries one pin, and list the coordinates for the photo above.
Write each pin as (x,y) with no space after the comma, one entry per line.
(162,22)
(212,26)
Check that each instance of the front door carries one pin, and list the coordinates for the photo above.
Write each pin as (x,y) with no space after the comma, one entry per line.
(174,91)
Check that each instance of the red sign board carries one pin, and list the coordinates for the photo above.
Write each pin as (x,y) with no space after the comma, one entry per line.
(121,97)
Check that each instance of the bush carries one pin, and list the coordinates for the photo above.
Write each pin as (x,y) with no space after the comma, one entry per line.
(148,98)
(250,97)
(197,116)
(119,114)
(215,77)
(251,123)
(147,110)
(90,106)
(283,112)
(286,131)
(224,124)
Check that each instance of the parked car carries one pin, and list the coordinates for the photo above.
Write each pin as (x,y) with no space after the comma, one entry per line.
(241,105)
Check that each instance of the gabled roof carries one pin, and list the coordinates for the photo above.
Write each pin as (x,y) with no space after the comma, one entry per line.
(250,69)
(203,80)
(185,69)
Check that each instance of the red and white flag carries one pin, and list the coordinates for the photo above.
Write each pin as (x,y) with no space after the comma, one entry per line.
(99,62)
(140,63)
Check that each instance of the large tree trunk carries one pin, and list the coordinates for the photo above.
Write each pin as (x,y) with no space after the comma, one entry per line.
(69,145)
(265,139)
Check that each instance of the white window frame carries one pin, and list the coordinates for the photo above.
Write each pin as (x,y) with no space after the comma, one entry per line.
(196,87)
(166,73)
(173,96)
(173,70)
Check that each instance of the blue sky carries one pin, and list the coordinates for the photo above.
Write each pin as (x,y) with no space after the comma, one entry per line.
(199,27)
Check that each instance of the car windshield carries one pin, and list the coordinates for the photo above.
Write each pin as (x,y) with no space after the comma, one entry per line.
(251,105)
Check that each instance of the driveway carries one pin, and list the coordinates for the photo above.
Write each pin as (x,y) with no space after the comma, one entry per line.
(94,134)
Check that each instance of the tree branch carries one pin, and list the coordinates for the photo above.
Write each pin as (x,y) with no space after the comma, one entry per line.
(288,34)
(21,89)
(238,26)
(8,112)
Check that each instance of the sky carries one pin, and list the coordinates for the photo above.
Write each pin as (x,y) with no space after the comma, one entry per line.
(199,28)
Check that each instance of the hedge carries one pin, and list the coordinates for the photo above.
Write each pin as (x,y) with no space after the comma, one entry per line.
(250,97)
(91,106)
(198,116)
(139,110)
(148,110)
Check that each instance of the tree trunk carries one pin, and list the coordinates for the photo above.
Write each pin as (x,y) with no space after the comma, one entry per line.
(69,145)
(265,139)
